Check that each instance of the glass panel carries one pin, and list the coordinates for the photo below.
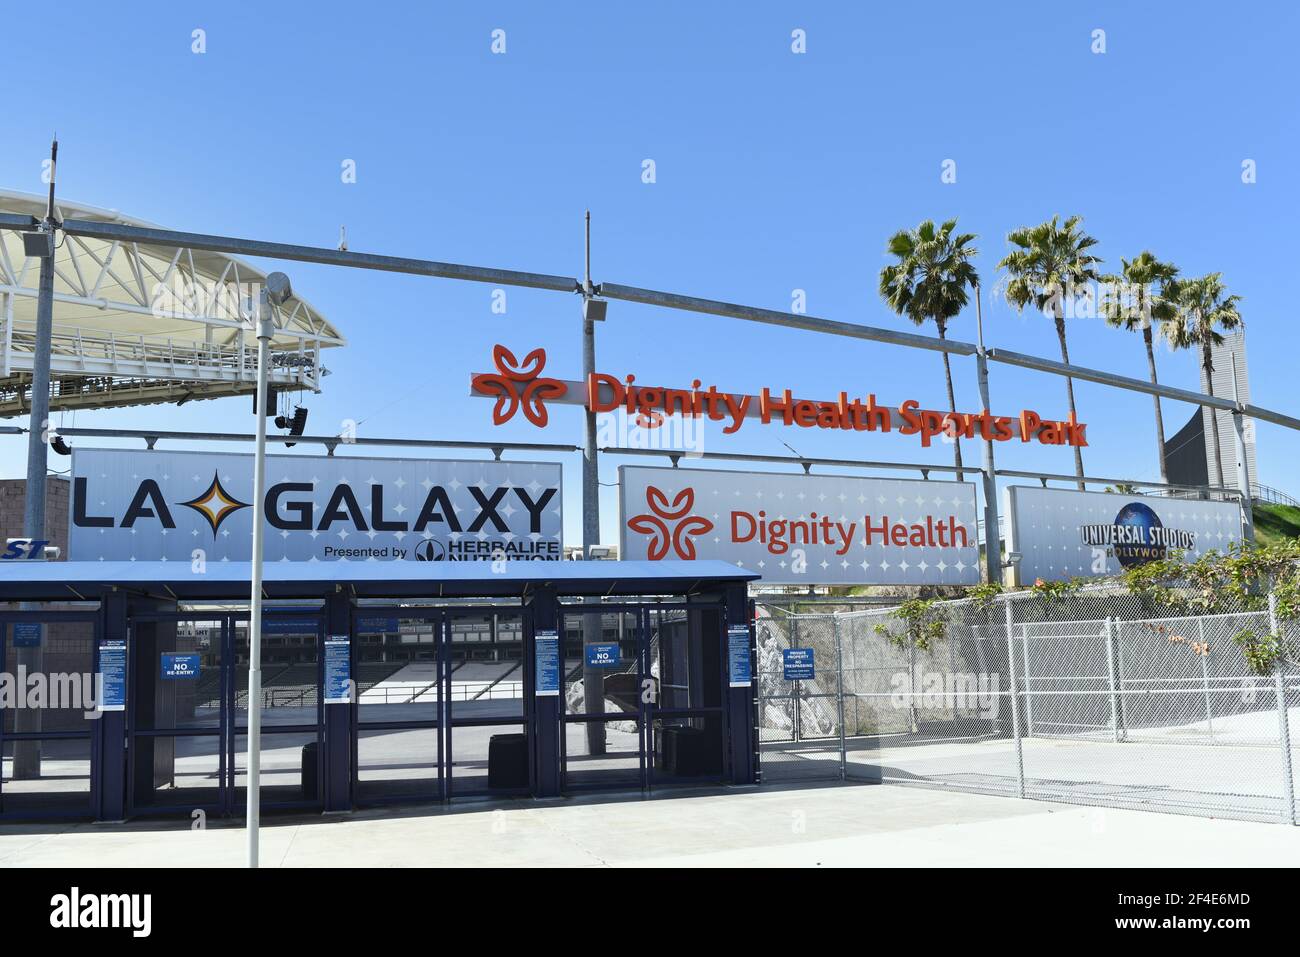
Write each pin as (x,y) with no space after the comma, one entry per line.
(183,659)
(290,671)
(396,668)
(63,652)
(397,764)
(485,660)
(688,749)
(617,677)
(63,785)
(612,760)
(49,775)
(489,759)
(291,769)
(186,771)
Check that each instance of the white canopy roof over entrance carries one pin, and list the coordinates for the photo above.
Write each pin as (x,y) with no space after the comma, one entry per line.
(137,324)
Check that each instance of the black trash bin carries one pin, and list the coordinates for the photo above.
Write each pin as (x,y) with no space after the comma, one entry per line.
(691,752)
(310,770)
(508,761)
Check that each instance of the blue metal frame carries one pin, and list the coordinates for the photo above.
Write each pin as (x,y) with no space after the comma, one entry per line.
(648,713)
(134,808)
(271,731)
(95,619)
(228,729)
(131,596)
(436,723)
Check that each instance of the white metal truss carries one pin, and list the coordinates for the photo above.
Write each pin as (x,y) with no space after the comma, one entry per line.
(136,324)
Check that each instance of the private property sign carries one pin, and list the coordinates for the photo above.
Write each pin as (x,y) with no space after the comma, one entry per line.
(131,505)
(1061,533)
(797,529)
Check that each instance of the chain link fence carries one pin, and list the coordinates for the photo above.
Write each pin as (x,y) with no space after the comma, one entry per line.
(1090,698)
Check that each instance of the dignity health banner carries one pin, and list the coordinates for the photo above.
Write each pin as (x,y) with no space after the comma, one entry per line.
(803,529)
(130,504)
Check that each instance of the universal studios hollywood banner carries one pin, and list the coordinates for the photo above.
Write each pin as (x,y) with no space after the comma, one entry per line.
(1061,533)
(150,505)
(803,529)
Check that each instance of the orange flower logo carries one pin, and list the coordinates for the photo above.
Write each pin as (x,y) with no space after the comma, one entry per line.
(517,385)
(670,524)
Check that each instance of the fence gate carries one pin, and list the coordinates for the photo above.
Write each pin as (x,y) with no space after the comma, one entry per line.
(800,709)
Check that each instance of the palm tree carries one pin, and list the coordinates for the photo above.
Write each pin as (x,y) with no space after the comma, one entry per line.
(1200,310)
(1051,260)
(928,283)
(1132,300)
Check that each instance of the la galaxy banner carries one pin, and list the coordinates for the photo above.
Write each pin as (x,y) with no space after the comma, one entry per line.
(1062,533)
(154,505)
(803,529)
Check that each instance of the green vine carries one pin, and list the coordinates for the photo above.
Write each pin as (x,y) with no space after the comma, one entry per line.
(1261,651)
(984,594)
(1051,591)
(924,620)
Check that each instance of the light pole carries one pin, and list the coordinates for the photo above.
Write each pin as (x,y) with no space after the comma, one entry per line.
(992,534)
(27,753)
(276,290)
(593,679)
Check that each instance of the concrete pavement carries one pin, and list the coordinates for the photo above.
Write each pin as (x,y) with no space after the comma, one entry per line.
(842,825)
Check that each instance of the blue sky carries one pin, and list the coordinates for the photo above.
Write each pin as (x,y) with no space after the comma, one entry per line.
(775,172)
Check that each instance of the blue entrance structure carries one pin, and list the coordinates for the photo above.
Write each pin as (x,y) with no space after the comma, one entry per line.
(384,682)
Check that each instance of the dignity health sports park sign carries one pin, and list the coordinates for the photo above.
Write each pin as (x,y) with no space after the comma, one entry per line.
(800,529)
(131,504)
(518,387)
(1060,533)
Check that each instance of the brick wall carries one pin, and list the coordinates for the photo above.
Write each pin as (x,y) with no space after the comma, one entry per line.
(13,494)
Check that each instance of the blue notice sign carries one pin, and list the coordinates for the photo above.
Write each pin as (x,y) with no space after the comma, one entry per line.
(546,663)
(604,655)
(112,675)
(289,626)
(377,625)
(740,673)
(797,663)
(27,634)
(180,667)
(338,670)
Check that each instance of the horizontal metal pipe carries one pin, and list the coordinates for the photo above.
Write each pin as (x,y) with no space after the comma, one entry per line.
(1109,378)
(326,440)
(11,221)
(772,317)
(788,460)
(420,267)
(315,254)
(1265,415)
(1097,480)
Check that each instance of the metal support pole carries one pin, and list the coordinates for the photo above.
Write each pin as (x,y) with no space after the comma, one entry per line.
(1109,635)
(1029,697)
(593,679)
(992,533)
(265,330)
(1117,631)
(1283,719)
(27,753)
(1205,679)
(794,685)
(1015,703)
(839,670)
(1243,465)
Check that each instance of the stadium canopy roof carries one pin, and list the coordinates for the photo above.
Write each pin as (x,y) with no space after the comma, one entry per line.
(64,581)
(137,324)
